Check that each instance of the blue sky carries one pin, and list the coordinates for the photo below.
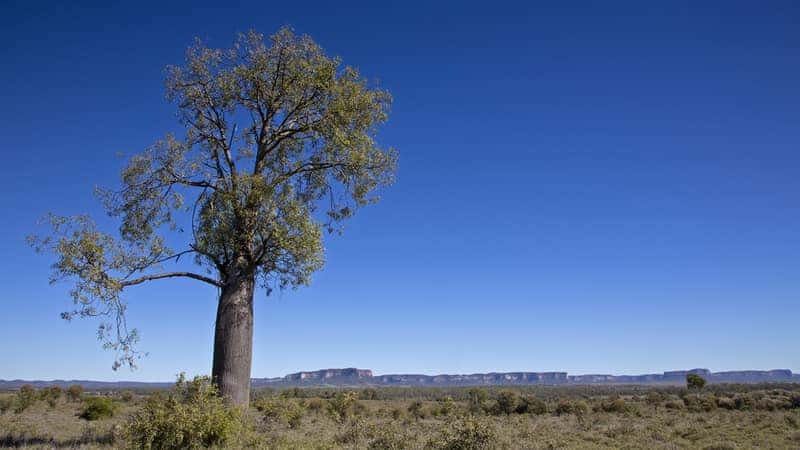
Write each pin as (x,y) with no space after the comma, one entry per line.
(598,187)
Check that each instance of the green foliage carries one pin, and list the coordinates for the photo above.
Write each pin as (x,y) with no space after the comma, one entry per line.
(506,403)
(615,405)
(51,395)
(531,405)
(674,405)
(417,410)
(5,404)
(342,406)
(368,394)
(388,438)
(26,396)
(577,407)
(96,408)
(354,431)
(471,433)
(191,415)
(726,403)
(126,396)
(700,403)
(445,406)
(280,146)
(477,399)
(75,393)
(654,399)
(315,404)
(694,381)
(280,410)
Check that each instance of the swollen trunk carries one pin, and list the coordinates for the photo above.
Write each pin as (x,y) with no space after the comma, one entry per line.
(233,341)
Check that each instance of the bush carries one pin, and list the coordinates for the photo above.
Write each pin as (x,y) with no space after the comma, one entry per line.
(616,405)
(531,405)
(674,405)
(192,415)
(445,407)
(726,403)
(5,404)
(51,395)
(126,396)
(572,407)
(96,408)
(467,434)
(26,396)
(368,394)
(697,403)
(744,402)
(75,392)
(280,409)
(315,404)
(416,410)
(388,439)
(477,398)
(654,398)
(342,406)
(355,430)
(694,381)
(506,402)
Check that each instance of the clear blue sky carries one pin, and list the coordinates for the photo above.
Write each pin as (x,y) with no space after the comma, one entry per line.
(605,187)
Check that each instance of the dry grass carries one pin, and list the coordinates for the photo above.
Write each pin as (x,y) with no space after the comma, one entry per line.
(387,423)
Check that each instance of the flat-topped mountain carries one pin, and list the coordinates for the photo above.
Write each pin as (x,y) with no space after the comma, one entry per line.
(354,377)
(364,377)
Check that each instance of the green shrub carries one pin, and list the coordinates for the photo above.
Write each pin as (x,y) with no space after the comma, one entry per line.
(578,408)
(51,395)
(726,403)
(477,398)
(126,396)
(445,407)
(467,434)
(616,405)
(5,404)
(506,402)
(416,410)
(388,438)
(96,408)
(342,406)
(368,394)
(674,405)
(654,398)
(744,402)
(531,405)
(694,381)
(280,409)
(191,415)
(397,413)
(75,392)
(355,430)
(698,403)
(26,396)
(315,404)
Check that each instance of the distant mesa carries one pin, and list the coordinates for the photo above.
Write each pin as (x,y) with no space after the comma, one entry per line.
(355,377)
(331,374)
(364,377)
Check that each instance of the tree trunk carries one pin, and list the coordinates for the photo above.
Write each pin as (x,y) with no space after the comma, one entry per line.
(233,341)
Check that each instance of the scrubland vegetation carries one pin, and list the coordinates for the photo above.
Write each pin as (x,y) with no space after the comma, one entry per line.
(191,415)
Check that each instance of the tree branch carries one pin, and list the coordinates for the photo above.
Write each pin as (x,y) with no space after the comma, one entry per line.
(159,276)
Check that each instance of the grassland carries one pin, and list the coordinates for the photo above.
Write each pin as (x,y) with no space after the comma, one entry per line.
(716,417)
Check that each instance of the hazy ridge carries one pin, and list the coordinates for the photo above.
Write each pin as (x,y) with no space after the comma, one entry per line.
(365,377)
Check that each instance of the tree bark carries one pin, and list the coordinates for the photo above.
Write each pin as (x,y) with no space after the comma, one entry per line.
(233,340)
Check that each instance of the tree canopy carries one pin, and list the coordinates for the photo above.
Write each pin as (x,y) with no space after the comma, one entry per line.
(279,146)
